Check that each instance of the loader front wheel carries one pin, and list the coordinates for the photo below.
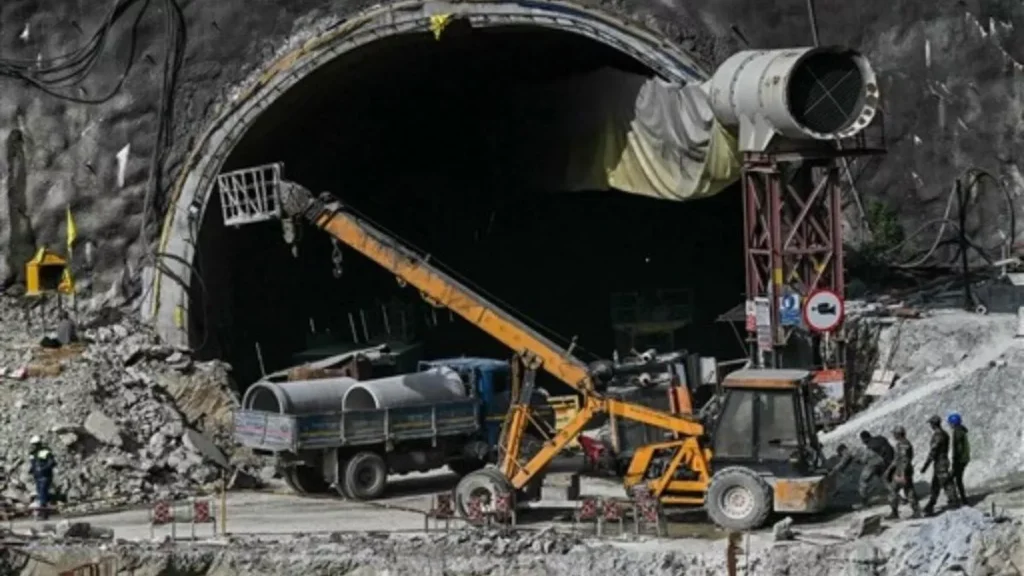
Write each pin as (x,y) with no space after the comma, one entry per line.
(738,499)
(485,485)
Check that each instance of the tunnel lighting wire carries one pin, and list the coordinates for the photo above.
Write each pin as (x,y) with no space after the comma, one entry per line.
(70,69)
(174,27)
(531,322)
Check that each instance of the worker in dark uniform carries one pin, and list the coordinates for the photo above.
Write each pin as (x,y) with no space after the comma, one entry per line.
(879,445)
(42,465)
(873,466)
(942,480)
(901,471)
(961,454)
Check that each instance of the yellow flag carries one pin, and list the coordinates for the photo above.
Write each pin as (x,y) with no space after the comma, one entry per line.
(438,23)
(67,283)
(72,230)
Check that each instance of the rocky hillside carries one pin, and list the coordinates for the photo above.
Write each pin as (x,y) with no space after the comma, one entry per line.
(950,77)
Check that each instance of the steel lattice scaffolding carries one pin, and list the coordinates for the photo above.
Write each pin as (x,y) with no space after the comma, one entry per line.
(793,232)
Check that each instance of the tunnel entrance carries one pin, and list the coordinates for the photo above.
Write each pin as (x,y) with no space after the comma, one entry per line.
(460,147)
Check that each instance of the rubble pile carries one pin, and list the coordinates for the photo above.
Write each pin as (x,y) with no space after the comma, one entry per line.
(105,406)
(966,541)
(951,361)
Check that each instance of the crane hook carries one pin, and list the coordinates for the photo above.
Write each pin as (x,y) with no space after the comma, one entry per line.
(336,258)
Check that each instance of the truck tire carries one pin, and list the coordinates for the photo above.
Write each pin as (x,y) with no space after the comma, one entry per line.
(339,485)
(738,499)
(366,476)
(305,480)
(486,484)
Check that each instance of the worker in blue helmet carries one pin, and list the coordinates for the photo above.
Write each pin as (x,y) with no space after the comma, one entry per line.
(961,453)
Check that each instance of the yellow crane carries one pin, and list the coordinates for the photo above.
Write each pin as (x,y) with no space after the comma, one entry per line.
(756,454)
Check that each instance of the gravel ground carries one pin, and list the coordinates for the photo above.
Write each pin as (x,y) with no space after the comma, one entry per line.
(965,542)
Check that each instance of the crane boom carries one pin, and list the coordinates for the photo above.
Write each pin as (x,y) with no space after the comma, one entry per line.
(441,289)
(435,285)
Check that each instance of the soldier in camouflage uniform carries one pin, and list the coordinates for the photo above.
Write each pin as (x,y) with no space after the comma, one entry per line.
(902,473)
(873,466)
(942,479)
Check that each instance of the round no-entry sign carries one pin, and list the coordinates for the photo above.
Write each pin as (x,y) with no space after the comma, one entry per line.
(823,311)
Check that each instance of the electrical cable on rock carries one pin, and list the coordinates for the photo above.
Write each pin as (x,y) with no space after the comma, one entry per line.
(54,74)
(973,176)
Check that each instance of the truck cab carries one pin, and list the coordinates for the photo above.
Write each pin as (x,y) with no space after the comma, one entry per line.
(490,380)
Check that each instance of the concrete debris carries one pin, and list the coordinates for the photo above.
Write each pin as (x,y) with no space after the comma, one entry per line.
(199,444)
(103,428)
(110,415)
(864,526)
(782,530)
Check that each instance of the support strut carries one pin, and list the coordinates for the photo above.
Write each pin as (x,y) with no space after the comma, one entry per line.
(793,244)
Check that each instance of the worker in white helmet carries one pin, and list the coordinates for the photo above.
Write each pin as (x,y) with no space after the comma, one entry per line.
(42,465)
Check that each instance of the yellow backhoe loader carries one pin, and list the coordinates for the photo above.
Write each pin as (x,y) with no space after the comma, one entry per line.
(755,454)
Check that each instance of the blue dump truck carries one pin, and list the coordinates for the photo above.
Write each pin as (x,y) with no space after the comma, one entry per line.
(349,435)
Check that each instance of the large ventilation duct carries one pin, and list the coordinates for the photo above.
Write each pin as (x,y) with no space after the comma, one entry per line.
(436,385)
(298,397)
(796,93)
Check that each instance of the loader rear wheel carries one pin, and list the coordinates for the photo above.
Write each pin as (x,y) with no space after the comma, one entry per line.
(738,499)
(485,484)
(366,476)
(305,480)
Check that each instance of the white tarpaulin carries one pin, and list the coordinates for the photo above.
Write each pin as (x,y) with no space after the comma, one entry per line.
(625,131)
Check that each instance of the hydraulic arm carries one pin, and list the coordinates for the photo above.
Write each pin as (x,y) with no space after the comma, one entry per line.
(441,289)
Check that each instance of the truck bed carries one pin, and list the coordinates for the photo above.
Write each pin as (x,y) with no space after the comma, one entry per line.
(274,432)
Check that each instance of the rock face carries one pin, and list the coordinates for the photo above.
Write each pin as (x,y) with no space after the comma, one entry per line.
(102,407)
(949,73)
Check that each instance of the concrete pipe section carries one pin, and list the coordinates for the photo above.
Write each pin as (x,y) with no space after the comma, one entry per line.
(430,387)
(298,397)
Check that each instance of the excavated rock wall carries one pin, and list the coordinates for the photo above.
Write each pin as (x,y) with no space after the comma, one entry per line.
(949,74)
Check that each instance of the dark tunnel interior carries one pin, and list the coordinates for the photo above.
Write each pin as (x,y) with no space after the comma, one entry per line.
(445,144)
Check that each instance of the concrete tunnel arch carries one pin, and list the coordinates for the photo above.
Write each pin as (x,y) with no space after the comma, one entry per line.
(167,304)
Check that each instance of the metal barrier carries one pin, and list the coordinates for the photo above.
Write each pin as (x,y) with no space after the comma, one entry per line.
(647,510)
(201,511)
(441,509)
(602,511)
(475,511)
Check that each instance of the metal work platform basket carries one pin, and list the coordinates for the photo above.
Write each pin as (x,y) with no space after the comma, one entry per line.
(250,195)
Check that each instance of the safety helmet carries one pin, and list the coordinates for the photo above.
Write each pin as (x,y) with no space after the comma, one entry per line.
(953,419)
(35,440)
(934,420)
(899,431)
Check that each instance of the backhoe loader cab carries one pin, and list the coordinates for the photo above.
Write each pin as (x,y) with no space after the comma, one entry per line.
(764,450)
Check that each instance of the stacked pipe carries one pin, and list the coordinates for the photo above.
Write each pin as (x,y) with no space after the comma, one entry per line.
(434,386)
